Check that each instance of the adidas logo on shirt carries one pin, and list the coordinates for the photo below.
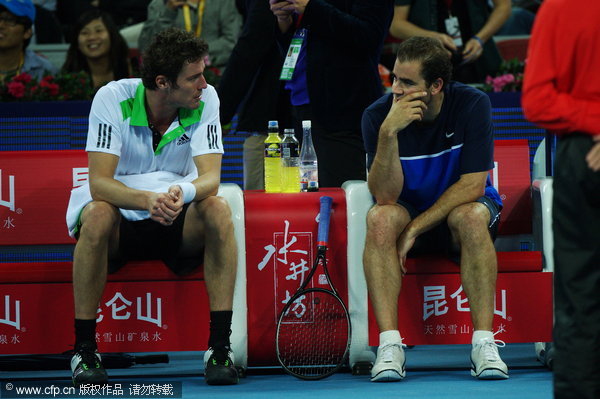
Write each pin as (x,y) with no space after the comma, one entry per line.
(183,139)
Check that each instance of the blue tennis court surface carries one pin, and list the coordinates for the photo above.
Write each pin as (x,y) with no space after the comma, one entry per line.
(432,372)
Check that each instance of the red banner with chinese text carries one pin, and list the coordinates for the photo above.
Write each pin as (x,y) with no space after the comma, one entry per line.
(281,234)
(132,317)
(34,193)
(433,309)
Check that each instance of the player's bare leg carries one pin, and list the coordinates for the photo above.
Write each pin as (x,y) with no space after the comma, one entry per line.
(478,267)
(385,223)
(98,237)
(209,226)
(381,264)
(98,232)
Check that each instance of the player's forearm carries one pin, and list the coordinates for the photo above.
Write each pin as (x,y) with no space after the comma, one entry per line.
(207,185)
(386,177)
(118,194)
(462,192)
(498,16)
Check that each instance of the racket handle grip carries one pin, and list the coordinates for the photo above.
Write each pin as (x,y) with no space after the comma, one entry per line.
(324,217)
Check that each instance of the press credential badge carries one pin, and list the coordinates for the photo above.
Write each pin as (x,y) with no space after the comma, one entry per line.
(289,64)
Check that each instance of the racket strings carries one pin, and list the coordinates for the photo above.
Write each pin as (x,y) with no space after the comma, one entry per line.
(315,343)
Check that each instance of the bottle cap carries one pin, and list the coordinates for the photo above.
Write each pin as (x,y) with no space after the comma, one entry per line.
(306,125)
(274,124)
(288,131)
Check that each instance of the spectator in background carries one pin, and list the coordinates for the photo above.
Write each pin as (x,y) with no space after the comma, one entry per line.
(465,28)
(521,18)
(98,48)
(16,21)
(561,93)
(123,12)
(250,85)
(335,77)
(218,22)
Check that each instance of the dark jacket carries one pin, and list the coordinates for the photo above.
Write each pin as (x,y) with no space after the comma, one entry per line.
(343,45)
(250,83)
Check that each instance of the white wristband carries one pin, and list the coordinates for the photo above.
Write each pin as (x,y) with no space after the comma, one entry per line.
(189,191)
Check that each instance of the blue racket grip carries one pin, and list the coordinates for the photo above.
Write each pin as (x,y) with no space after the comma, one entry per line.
(324,217)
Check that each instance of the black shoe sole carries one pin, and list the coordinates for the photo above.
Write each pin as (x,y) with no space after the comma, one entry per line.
(221,375)
(91,378)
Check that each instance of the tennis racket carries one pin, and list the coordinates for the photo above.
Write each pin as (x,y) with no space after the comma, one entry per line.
(313,329)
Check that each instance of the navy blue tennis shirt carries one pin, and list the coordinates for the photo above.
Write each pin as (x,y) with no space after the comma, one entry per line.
(434,155)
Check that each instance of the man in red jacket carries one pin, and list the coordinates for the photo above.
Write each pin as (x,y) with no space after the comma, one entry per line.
(562,94)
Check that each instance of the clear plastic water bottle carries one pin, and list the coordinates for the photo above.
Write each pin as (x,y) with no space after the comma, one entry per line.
(290,162)
(273,159)
(309,175)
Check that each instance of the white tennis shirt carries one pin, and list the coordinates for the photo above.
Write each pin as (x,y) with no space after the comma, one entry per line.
(118,125)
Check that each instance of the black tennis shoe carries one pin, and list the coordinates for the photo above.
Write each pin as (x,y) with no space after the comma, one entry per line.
(219,368)
(86,365)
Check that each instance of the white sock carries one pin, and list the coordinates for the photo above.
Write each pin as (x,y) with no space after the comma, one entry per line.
(389,337)
(481,334)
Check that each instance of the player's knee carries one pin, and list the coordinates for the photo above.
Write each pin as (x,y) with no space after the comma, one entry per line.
(384,221)
(216,214)
(469,218)
(99,219)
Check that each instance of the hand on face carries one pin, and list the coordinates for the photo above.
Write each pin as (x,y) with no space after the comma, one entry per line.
(407,107)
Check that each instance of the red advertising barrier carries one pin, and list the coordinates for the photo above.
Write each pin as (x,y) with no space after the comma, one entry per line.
(34,195)
(281,233)
(511,178)
(132,317)
(433,309)
(145,307)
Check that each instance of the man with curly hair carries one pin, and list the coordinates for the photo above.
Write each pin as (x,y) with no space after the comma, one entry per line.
(154,151)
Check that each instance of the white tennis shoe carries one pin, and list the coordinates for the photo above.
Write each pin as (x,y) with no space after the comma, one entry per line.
(486,363)
(389,365)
